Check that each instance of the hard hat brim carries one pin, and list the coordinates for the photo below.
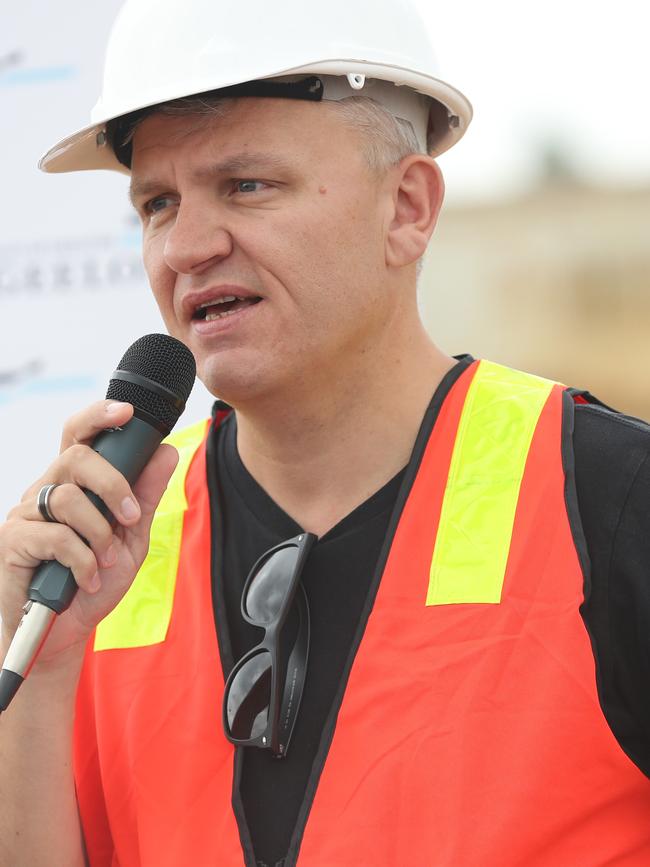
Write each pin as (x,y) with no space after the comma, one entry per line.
(88,149)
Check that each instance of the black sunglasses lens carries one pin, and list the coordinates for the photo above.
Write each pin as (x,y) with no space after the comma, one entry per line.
(249,697)
(268,589)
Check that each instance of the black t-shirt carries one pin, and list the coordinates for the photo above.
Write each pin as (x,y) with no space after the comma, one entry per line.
(612,470)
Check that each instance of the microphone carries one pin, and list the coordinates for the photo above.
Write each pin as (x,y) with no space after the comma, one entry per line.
(155,375)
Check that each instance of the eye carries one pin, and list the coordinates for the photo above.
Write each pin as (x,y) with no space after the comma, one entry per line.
(248,186)
(157,204)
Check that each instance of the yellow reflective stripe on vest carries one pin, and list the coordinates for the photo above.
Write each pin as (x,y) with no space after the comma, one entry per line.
(143,615)
(501,411)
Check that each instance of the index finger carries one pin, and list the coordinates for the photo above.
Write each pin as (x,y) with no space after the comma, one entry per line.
(84,426)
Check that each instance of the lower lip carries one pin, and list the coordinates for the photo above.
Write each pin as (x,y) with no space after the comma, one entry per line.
(223,323)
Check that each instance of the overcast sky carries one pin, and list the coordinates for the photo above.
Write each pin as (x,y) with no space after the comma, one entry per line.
(573,73)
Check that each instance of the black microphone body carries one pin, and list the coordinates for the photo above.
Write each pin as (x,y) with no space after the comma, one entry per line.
(156,375)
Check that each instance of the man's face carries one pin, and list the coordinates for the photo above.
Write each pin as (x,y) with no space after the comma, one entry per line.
(272,205)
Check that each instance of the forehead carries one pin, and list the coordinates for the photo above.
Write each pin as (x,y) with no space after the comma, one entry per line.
(300,131)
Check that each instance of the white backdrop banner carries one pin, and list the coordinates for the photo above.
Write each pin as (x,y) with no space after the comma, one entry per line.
(73,293)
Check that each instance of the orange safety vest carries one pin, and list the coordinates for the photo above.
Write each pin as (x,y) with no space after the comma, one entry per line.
(470,731)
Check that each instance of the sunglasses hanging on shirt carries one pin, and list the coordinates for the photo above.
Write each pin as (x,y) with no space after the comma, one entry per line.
(264,689)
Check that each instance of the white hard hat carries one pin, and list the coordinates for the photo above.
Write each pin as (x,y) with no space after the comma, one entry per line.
(160,50)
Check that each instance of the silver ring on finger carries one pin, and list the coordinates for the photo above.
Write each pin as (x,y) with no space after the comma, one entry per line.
(43,502)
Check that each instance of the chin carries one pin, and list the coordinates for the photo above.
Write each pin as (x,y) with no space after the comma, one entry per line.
(236,385)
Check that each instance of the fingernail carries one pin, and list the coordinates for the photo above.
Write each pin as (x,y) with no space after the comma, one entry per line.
(129,508)
(109,557)
(114,407)
(95,583)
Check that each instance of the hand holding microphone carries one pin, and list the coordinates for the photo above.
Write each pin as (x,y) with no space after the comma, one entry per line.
(102,456)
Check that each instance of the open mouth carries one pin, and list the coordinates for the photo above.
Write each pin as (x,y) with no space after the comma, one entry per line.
(221,307)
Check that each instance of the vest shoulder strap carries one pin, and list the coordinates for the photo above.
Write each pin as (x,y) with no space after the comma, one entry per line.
(143,615)
(499,417)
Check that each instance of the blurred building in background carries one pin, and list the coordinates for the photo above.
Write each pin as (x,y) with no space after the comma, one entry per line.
(555,281)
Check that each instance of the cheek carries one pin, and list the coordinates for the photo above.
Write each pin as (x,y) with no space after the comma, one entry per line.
(161,277)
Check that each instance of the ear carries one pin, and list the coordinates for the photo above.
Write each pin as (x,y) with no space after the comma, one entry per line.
(418,191)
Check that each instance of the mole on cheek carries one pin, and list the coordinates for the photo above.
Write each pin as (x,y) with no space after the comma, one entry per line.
(322,190)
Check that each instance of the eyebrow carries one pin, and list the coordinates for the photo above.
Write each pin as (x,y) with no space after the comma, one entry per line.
(233,165)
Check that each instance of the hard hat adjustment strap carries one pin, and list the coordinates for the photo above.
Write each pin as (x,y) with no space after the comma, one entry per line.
(309,88)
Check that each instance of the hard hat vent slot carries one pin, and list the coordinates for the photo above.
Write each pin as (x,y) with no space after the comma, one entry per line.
(356,80)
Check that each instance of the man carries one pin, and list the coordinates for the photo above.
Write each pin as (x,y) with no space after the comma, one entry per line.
(419,512)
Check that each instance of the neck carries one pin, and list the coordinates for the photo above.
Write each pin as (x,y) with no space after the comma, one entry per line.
(322,451)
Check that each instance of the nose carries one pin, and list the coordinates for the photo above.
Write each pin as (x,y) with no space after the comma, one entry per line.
(197,239)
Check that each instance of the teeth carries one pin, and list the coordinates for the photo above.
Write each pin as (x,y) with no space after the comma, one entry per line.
(215,302)
(219,301)
(210,316)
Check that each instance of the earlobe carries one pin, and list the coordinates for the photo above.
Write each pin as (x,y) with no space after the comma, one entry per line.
(417,197)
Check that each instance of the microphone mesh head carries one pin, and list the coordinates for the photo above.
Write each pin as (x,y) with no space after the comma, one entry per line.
(167,362)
